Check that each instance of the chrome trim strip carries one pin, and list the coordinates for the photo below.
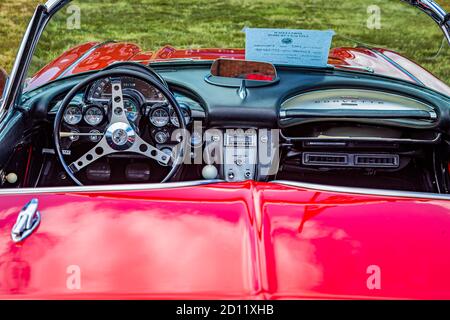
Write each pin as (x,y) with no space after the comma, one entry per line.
(36,26)
(437,8)
(54,5)
(173,185)
(107,188)
(50,4)
(365,139)
(365,191)
(10,92)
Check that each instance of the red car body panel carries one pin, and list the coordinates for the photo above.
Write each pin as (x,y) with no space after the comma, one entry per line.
(56,68)
(230,240)
(87,57)
(95,56)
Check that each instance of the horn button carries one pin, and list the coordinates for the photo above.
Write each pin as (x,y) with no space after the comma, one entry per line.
(120,136)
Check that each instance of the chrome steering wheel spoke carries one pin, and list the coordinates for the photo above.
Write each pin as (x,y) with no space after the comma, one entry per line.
(146,149)
(118,113)
(100,150)
(115,141)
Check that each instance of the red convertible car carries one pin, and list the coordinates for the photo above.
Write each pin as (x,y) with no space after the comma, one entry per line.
(202,173)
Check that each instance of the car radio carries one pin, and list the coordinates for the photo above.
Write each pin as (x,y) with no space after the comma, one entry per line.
(240,154)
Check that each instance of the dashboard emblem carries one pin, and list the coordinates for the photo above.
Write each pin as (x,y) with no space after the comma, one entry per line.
(120,137)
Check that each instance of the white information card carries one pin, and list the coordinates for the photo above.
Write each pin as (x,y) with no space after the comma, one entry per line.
(289,47)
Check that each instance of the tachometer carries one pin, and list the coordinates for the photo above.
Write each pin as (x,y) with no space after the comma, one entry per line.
(93,116)
(159,117)
(73,115)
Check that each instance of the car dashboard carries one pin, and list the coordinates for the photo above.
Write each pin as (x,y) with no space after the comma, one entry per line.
(320,126)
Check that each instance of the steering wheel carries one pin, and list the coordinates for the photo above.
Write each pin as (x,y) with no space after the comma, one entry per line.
(120,136)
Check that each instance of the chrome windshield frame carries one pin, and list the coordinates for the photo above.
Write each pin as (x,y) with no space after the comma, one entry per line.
(44,13)
(436,12)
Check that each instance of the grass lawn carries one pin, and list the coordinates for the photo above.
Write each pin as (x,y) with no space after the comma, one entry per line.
(219,23)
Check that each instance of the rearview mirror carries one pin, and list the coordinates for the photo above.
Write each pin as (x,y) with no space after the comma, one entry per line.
(3,79)
(228,72)
(245,70)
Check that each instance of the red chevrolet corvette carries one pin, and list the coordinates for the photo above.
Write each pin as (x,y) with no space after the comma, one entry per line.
(270,172)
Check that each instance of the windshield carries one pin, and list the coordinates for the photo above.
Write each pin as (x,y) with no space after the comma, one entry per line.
(158,28)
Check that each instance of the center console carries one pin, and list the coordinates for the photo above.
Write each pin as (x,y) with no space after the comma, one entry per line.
(244,154)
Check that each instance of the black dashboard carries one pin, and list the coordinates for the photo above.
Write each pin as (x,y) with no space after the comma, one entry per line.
(328,124)
(263,106)
(266,106)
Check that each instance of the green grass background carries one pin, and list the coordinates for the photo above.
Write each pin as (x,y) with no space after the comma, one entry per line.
(219,23)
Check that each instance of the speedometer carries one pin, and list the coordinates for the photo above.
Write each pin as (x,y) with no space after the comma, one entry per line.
(93,116)
(101,90)
(159,117)
(73,115)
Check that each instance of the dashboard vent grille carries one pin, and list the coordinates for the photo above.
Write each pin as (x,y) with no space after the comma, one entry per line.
(384,161)
(351,160)
(325,159)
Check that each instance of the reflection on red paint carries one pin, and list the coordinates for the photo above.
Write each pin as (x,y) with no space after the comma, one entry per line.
(236,240)
(53,70)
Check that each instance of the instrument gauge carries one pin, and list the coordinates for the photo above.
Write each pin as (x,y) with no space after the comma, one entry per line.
(174,118)
(159,117)
(131,109)
(161,137)
(93,116)
(101,90)
(75,137)
(95,136)
(73,115)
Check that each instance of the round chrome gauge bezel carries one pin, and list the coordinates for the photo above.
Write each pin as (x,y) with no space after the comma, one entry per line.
(161,137)
(135,115)
(174,118)
(75,137)
(95,136)
(79,115)
(98,121)
(165,117)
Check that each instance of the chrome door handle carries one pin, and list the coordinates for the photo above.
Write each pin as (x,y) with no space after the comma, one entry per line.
(27,221)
